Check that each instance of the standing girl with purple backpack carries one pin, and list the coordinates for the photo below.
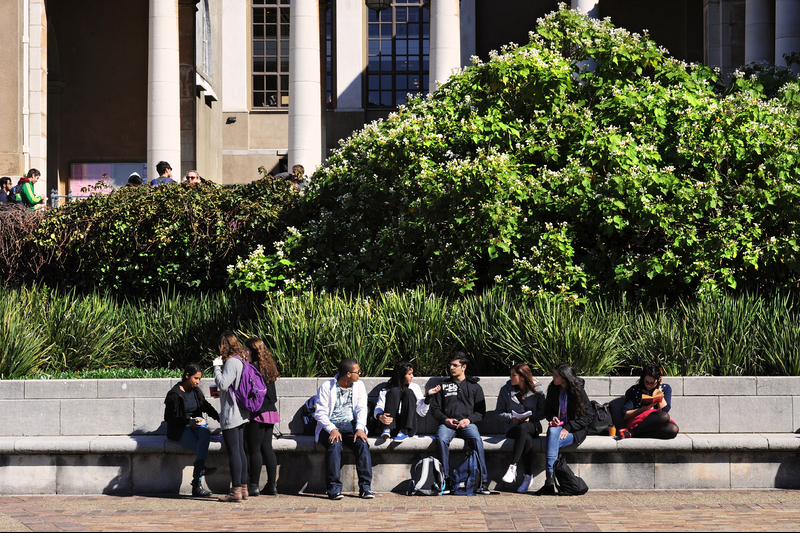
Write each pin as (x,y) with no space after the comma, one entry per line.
(232,417)
(258,433)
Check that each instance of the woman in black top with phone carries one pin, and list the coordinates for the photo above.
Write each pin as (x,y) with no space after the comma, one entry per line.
(183,413)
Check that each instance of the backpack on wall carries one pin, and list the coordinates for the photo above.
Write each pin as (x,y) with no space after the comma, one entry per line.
(252,391)
(307,412)
(467,477)
(602,419)
(568,483)
(427,478)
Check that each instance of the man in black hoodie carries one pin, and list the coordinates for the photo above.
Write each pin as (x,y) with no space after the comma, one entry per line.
(458,406)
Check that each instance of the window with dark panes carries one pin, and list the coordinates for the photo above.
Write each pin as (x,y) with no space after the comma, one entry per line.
(328,55)
(270,53)
(398,48)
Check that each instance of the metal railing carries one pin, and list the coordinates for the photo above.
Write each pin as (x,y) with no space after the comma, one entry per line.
(54,197)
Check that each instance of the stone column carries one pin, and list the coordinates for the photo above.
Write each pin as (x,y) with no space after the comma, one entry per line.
(305,86)
(349,56)
(759,31)
(163,89)
(588,7)
(787,29)
(445,41)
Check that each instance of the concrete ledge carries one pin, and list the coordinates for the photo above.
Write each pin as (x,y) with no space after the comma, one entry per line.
(152,464)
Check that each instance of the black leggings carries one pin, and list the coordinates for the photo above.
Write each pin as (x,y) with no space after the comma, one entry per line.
(523,436)
(237,460)
(258,443)
(406,420)
(656,426)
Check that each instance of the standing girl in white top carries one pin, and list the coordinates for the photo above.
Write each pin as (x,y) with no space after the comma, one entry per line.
(232,418)
(400,402)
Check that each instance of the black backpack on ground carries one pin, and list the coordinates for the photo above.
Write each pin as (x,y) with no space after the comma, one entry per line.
(427,478)
(602,419)
(568,483)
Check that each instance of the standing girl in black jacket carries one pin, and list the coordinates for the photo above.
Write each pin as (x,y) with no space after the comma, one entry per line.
(185,405)
(258,433)
(568,412)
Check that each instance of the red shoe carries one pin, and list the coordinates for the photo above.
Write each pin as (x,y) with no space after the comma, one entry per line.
(624,434)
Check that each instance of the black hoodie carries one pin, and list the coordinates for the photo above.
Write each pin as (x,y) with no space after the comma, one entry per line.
(578,426)
(459,400)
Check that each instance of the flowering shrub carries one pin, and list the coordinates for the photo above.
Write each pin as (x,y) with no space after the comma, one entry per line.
(585,162)
(145,239)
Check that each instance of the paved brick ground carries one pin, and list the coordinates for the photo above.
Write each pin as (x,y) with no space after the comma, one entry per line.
(768,510)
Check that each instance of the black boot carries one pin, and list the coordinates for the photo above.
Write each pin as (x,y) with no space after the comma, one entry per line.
(549,488)
(200,470)
(198,490)
(270,489)
(252,489)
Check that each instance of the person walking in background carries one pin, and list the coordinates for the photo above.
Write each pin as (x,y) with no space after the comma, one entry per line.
(341,414)
(25,194)
(164,170)
(399,403)
(232,418)
(646,408)
(183,413)
(520,405)
(258,433)
(568,412)
(457,407)
(5,190)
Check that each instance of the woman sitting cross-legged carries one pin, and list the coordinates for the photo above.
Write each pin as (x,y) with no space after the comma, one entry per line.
(569,413)
(183,413)
(646,408)
(520,405)
(400,402)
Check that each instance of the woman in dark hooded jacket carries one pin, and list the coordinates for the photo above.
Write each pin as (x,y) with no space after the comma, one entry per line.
(568,412)
(183,413)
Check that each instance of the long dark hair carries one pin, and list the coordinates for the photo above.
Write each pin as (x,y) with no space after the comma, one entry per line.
(530,382)
(652,371)
(263,359)
(574,388)
(398,378)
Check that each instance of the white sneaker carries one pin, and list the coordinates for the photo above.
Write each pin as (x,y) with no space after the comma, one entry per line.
(526,483)
(511,473)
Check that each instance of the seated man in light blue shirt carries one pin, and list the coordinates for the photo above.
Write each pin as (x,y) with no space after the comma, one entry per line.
(341,414)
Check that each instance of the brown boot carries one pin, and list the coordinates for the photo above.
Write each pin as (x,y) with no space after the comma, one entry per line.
(234,496)
(245,492)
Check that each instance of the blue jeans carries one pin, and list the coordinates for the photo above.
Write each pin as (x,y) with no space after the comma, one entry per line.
(471,435)
(196,439)
(333,461)
(554,444)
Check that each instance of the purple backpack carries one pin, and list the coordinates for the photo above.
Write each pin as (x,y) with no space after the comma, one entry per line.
(252,390)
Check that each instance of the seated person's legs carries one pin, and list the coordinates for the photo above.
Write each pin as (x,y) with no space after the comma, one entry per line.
(444,436)
(407,419)
(554,444)
(333,463)
(653,421)
(391,407)
(363,460)
(665,432)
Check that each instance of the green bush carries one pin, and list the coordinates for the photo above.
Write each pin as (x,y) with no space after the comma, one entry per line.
(143,240)
(535,172)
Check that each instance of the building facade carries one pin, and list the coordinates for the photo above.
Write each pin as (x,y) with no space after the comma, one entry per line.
(100,88)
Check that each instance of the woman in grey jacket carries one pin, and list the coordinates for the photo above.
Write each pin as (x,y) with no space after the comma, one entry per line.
(232,418)
(520,405)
